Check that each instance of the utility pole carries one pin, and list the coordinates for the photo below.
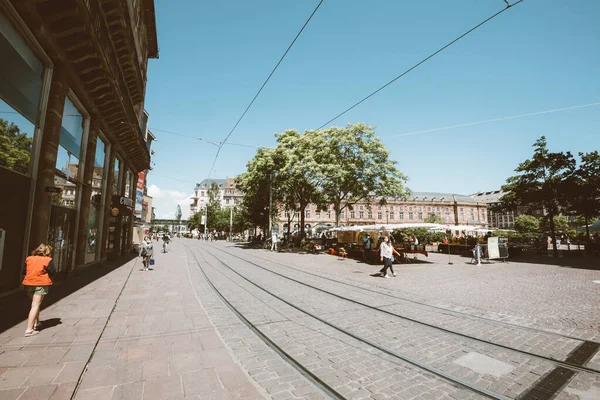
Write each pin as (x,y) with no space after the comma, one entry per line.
(270,204)
(206,219)
(230,221)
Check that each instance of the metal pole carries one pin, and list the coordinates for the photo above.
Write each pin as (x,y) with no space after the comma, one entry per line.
(206,220)
(270,204)
(230,221)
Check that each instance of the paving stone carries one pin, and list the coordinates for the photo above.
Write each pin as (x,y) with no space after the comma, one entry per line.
(163,388)
(43,392)
(14,377)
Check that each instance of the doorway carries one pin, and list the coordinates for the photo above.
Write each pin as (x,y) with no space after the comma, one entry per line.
(61,236)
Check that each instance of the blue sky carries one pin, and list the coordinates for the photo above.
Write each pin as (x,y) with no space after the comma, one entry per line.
(539,55)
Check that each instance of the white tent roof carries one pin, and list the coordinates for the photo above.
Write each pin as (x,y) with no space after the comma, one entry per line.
(391,227)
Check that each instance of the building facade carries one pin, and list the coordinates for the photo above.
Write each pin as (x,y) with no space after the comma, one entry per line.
(453,209)
(228,196)
(506,218)
(73,127)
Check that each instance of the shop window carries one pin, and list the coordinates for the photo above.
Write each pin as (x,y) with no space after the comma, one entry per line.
(96,204)
(68,156)
(21,79)
(117,177)
(128,184)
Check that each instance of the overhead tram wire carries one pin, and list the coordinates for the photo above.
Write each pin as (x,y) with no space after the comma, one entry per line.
(202,139)
(419,63)
(263,86)
(487,121)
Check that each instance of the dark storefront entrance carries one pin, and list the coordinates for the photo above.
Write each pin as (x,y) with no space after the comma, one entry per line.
(61,236)
(119,226)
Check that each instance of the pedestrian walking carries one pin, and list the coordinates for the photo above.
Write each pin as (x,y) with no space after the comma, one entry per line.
(386,255)
(274,241)
(367,243)
(37,278)
(146,252)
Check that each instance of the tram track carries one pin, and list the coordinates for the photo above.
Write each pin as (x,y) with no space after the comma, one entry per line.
(442,310)
(254,327)
(551,382)
(589,346)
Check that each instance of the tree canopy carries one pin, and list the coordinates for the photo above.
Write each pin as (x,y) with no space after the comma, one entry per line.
(336,167)
(15,147)
(527,224)
(584,189)
(541,183)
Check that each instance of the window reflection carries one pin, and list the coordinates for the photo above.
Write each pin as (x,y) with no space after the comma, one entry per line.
(16,139)
(95,211)
(68,155)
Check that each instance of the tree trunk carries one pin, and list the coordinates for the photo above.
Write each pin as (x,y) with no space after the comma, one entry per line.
(588,247)
(553,236)
(302,210)
(337,208)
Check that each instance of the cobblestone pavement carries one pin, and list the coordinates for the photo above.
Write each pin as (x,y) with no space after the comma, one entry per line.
(352,368)
(552,298)
(524,372)
(166,334)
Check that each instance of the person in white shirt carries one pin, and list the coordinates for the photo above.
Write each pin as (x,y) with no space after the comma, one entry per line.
(274,241)
(386,255)
(146,252)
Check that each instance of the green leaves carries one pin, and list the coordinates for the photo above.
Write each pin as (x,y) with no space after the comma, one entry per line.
(15,147)
(334,166)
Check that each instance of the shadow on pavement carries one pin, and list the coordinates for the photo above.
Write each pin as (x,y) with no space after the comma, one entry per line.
(14,308)
(49,323)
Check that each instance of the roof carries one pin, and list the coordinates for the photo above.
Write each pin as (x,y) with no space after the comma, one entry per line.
(206,183)
(435,196)
(493,196)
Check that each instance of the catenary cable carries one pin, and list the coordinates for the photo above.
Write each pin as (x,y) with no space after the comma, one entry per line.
(496,120)
(419,63)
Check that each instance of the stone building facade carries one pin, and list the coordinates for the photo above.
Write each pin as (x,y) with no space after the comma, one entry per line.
(229,195)
(72,90)
(453,209)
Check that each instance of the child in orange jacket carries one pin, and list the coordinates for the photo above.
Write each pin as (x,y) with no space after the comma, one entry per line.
(38,272)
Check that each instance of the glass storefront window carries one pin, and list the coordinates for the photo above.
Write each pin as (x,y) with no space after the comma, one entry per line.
(95,212)
(128,184)
(116,177)
(16,139)
(21,78)
(68,155)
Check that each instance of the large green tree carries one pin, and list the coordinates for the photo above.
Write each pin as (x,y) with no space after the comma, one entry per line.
(301,173)
(584,190)
(262,182)
(213,207)
(541,183)
(355,168)
(15,147)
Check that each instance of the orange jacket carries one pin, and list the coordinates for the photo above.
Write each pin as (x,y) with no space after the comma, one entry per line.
(38,270)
